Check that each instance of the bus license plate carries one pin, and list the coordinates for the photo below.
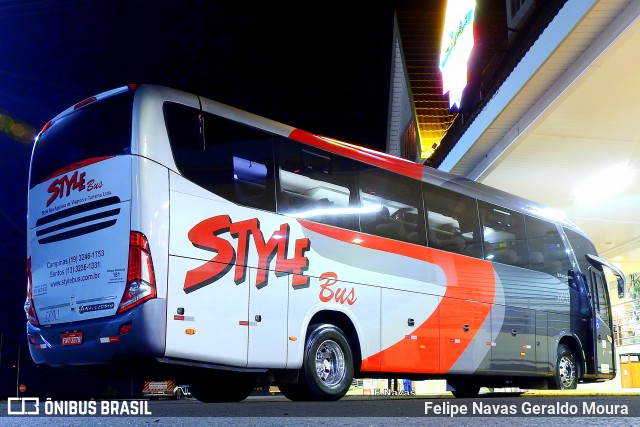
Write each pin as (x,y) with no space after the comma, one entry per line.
(72,338)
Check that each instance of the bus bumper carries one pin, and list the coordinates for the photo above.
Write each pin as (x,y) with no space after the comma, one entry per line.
(136,333)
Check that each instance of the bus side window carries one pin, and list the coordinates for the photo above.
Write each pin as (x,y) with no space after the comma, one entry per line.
(232,160)
(391,205)
(547,251)
(184,127)
(452,222)
(504,229)
(316,185)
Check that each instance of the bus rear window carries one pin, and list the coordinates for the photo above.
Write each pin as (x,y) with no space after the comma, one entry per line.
(100,129)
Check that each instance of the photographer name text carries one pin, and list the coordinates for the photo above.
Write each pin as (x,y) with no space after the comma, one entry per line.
(525,408)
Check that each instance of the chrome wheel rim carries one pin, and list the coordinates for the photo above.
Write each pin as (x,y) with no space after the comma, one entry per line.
(330,364)
(567,372)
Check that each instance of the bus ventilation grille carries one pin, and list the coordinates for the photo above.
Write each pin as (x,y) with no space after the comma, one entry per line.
(78,220)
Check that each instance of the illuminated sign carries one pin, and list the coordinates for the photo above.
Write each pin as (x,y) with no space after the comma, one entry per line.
(457,43)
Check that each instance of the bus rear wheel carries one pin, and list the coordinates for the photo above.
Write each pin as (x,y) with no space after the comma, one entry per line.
(327,368)
(567,371)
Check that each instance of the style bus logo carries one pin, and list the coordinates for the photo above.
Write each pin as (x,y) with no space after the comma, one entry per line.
(207,235)
(33,406)
(62,187)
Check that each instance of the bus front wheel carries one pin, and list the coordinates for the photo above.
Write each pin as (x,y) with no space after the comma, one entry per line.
(327,368)
(567,371)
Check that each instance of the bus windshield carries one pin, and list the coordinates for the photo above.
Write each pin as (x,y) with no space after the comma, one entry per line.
(99,129)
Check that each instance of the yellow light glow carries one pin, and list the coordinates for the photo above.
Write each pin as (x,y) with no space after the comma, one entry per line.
(16,129)
(433,124)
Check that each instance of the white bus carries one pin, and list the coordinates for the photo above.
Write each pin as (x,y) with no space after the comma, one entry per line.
(172,235)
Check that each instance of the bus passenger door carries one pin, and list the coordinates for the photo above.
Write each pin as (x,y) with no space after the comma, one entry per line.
(604,358)
(267,323)
(604,354)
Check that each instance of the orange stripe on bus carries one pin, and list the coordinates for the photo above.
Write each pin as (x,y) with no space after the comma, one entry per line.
(76,165)
(441,339)
(384,160)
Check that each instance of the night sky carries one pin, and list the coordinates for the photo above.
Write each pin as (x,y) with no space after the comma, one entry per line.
(320,66)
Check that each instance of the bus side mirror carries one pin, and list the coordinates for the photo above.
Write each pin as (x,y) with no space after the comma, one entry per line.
(621,283)
(597,262)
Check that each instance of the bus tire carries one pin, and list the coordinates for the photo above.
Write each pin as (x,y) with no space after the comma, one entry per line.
(567,370)
(217,391)
(464,390)
(295,392)
(327,367)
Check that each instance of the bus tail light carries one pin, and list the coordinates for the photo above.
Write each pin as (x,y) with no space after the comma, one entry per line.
(29,307)
(85,102)
(141,282)
(46,126)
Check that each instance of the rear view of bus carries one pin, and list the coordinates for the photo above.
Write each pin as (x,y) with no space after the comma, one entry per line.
(89,273)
